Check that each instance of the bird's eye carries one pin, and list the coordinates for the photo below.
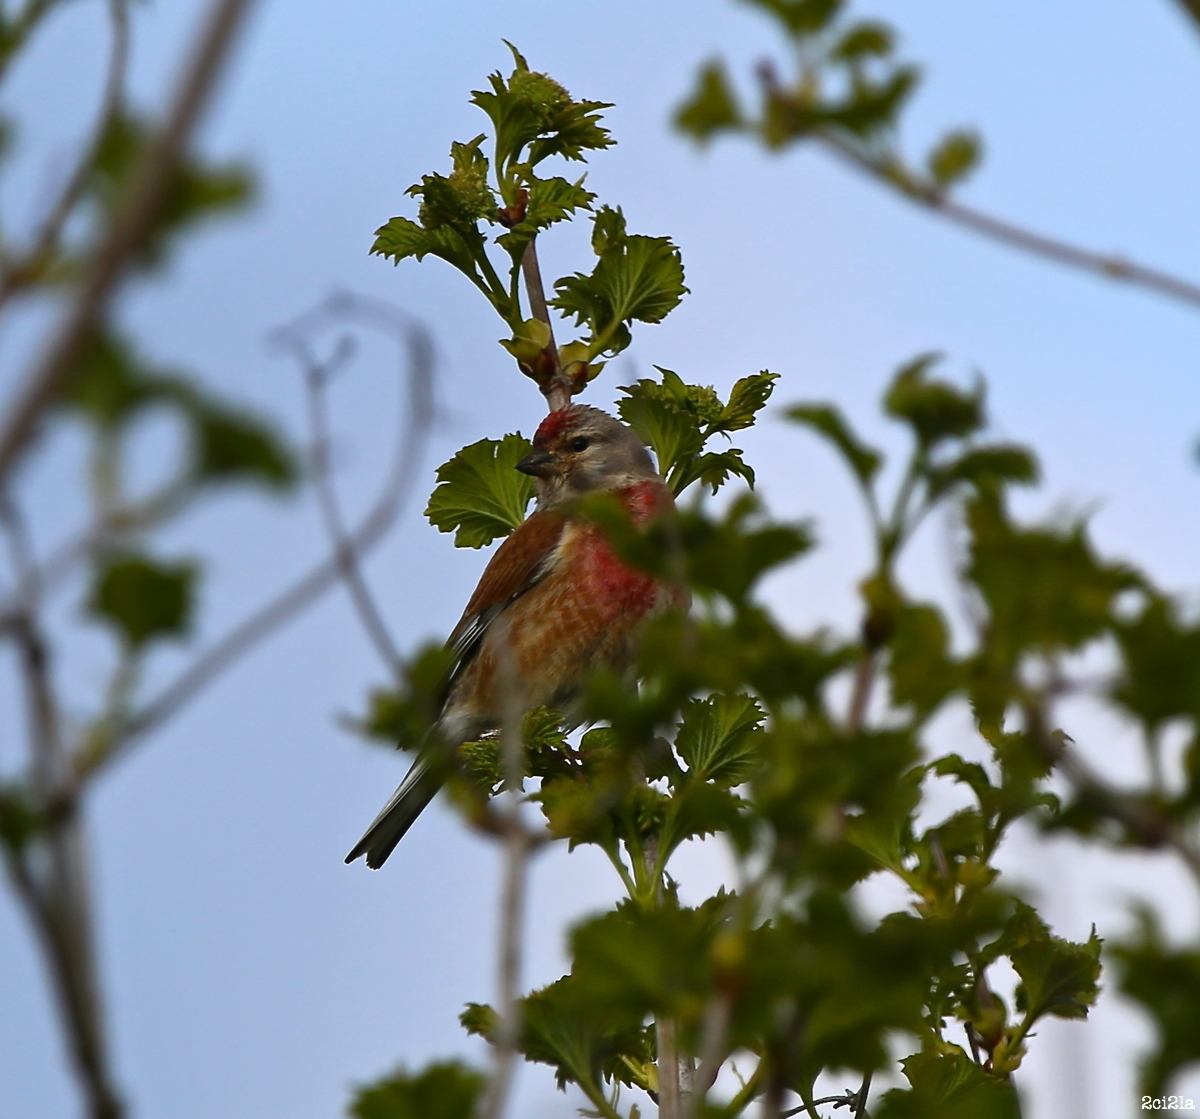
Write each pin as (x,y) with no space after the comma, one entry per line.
(579,443)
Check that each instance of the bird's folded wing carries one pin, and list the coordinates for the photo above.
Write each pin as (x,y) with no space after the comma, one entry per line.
(520,563)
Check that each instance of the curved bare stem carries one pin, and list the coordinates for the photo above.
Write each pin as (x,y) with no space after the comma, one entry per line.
(317,377)
(1049,248)
(291,602)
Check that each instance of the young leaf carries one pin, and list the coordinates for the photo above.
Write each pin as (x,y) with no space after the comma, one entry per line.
(712,108)
(949,1086)
(480,494)
(935,410)
(954,158)
(747,398)
(443,1090)
(826,420)
(719,738)
(230,445)
(636,278)
(143,599)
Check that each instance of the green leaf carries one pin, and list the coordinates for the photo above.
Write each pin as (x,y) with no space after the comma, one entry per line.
(801,18)
(991,465)
(548,201)
(231,445)
(480,494)
(949,1086)
(531,110)
(1165,981)
(561,1026)
(1058,977)
(720,738)
(1160,676)
(827,421)
(196,191)
(955,157)
(143,599)
(443,1090)
(111,383)
(1044,589)
(864,40)
(401,238)
(935,410)
(921,671)
(401,717)
(636,278)
(712,108)
(747,398)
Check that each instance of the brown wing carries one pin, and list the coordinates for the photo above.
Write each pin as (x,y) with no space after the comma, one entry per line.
(519,564)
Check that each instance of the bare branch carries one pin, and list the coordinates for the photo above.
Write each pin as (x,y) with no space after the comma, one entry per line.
(1192,8)
(1150,830)
(557,390)
(388,506)
(512,898)
(136,216)
(1049,248)
(57,900)
(317,377)
(18,274)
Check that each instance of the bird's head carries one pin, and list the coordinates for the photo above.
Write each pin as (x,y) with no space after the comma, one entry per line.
(581,450)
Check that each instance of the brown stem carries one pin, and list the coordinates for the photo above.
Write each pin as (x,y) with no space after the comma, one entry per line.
(860,696)
(557,389)
(512,903)
(59,905)
(1049,248)
(1192,8)
(18,275)
(316,378)
(135,218)
(1150,830)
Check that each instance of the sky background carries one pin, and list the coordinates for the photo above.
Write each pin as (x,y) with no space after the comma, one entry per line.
(248,972)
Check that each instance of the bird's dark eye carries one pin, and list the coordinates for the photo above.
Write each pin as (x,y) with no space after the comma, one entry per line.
(579,443)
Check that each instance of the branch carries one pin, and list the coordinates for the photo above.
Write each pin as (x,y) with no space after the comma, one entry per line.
(557,389)
(136,217)
(18,275)
(57,900)
(1192,8)
(512,898)
(1150,830)
(317,377)
(1050,248)
(290,603)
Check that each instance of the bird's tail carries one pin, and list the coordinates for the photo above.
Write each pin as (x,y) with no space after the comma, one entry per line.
(419,787)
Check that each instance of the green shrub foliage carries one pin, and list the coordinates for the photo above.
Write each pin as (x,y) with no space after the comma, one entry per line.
(809,755)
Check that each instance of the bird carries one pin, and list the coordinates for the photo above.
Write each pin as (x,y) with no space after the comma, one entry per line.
(554,602)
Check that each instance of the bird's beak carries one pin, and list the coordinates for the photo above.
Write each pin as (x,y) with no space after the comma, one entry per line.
(538,464)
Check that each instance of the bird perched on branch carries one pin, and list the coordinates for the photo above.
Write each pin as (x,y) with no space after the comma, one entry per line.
(554,603)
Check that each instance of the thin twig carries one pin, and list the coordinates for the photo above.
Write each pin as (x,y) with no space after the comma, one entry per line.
(389,504)
(1150,830)
(1192,8)
(57,900)
(860,695)
(557,390)
(17,275)
(135,218)
(317,377)
(1049,248)
(512,897)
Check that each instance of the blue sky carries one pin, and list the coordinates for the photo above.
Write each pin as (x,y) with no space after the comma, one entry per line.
(248,971)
